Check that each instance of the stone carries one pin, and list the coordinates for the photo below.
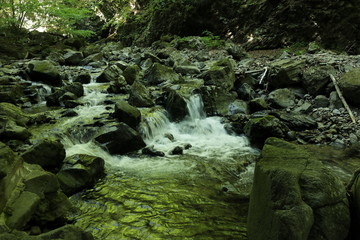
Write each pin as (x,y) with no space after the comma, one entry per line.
(295,196)
(120,139)
(349,83)
(111,73)
(245,92)
(177,151)
(132,73)
(288,73)
(220,74)
(44,71)
(140,95)
(48,153)
(296,122)
(238,106)
(80,171)
(159,73)
(72,57)
(335,101)
(151,151)
(96,57)
(259,129)
(83,78)
(176,106)
(13,131)
(187,69)
(316,78)
(128,114)
(216,100)
(20,211)
(258,104)
(321,101)
(282,98)
(11,112)
(7,160)
(118,86)
(235,50)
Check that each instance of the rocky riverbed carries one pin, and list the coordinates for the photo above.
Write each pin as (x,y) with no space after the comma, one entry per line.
(160,143)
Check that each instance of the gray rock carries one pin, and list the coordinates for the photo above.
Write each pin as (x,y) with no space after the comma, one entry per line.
(238,106)
(132,74)
(128,114)
(306,107)
(80,171)
(120,139)
(282,98)
(176,105)
(294,196)
(111,73)
(321,101)
(220,74)
(288,72)
(335,101)
(44,71)
(140,95)
(72,57)
(48,153)
(159,73)
(316,78)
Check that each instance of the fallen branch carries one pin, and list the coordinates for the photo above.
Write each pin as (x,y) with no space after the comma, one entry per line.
(254,71)
(263,75)
(342,98)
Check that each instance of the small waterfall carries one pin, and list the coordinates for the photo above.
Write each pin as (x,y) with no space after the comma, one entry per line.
(43,90)
(154,124)
(195,107)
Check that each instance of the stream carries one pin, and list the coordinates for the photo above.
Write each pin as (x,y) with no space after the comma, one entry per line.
(201,194)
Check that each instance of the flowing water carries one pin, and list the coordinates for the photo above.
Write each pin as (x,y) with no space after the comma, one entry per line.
(201,194)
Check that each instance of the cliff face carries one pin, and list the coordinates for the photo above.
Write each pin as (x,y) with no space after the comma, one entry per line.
(268,23)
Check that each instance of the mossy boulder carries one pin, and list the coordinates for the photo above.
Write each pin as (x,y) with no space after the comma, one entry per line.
(288,73)
(72,57)
(140,95)
(220,74)
(44,71)
(120,139)
(9,111)
(295,196)
(132,73)
(128,114)
(159,73)
(48,153)
(350,85)
(111,73)
(281,98)
(80,171)
(176,105)
(316,78)
(259,129)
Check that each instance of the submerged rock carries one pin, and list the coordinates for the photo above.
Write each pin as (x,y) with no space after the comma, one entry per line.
(120,139)
(295,196)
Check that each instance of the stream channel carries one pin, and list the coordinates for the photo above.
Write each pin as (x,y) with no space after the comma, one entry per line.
(201,194)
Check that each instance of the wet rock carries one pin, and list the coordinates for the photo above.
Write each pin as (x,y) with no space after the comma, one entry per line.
(295,196)
(176,106)
(132,73)
(220,74)
(66,93)
(159,73)
(120,139)
(96,57)
(177,151)
(80,171)
(111,73)
(13,131)
(349,83)
(246,92)
(335,101)
(11,112)
(7,160)
(216,100)
(44,71)
(259,129)
(297,122)
(258,104)
(151,151)
(316,78)
(128,114)
(10,90)
(119,86)
(238,106)
(321,101)
(288,72)
(140,95)
(72,57)
(83,78)
(282,98)
(48,153)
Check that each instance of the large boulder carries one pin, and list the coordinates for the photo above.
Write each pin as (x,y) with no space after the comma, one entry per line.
(159,73)
(316,78)
(140,95)
(11,112)
(120,139)
(132,73)
(128,114)
(48,153)
(220,74)
(72,57)
(295,197)
(287,73)
(350,85)
(176,106)
(259,129)
(282,98)
(80,171)
(44,71)
(111,73)
(296,121)
(119,85)
(13,131)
